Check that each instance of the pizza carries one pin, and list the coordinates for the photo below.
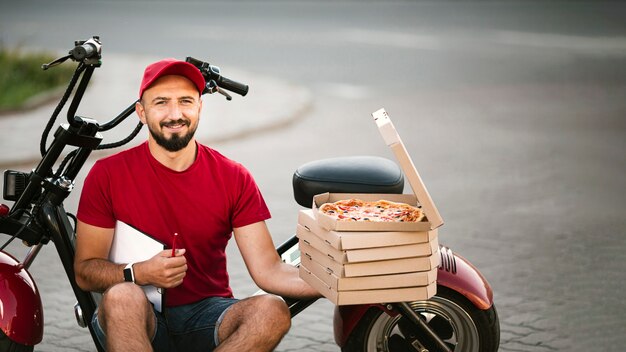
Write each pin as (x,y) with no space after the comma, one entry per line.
(377,211)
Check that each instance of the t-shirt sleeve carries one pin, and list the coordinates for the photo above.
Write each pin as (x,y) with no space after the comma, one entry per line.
(249,206)
(95,206)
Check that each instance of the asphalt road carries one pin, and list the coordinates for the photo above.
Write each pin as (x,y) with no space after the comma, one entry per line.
(514,113)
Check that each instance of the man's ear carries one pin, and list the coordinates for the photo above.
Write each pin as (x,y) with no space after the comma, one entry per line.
(141,112)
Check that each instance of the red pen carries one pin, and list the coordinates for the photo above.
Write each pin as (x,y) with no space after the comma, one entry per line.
(174,245)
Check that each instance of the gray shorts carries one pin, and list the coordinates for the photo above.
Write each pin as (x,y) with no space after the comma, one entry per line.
(190,327)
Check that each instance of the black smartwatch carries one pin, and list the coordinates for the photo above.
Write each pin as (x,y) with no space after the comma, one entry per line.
(129,275)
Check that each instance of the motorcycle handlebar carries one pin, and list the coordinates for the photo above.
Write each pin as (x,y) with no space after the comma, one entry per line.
(212,73)
(233,86)
(89,49)
(83,51)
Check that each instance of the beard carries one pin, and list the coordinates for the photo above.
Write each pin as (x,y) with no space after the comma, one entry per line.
(177,141)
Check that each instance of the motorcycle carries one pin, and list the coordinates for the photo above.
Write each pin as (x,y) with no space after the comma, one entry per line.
(460,317)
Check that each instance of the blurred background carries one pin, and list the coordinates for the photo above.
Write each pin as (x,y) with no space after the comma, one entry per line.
(514,113)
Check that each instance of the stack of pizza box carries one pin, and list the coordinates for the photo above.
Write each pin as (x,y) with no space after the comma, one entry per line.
(360,262)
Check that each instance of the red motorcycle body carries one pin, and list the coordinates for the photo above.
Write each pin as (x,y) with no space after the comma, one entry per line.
(21,312)
(455,272)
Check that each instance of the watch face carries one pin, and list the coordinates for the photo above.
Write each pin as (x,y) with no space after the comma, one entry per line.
(128,275)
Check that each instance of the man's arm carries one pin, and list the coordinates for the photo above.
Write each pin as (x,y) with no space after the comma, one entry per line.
(265,266)
(94,271)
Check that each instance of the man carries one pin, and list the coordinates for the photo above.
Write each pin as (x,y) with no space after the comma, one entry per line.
(172,184)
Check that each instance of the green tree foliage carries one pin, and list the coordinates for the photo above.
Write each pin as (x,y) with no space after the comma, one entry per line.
(21,77)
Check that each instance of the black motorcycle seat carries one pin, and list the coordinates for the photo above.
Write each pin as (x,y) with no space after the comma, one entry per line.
(353,174)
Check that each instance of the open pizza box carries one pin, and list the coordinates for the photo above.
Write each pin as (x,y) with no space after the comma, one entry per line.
(363,262)
(331,223)
(421,197)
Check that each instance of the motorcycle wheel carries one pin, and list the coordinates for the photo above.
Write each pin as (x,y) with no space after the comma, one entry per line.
(7,345)
(462,326)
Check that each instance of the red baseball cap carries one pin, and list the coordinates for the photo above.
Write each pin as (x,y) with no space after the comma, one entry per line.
(171,67)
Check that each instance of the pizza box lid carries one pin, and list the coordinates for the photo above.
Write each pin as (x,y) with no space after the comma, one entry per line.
(331,224)
(393,140)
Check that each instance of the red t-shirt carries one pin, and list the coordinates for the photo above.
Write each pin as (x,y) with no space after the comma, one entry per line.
(202,204)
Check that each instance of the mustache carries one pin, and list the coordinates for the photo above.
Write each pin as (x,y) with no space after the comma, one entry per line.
(175,122)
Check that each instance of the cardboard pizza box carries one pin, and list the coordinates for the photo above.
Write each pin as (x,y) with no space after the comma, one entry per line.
(366,239)
(308,237)
(339,298)
(332,224)
(393,140)
(417,278)
(393,252)
(380,267)
(366,254)
(420,198)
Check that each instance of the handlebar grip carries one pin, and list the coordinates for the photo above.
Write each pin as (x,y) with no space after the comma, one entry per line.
(84,51)
(233,86)
(87,51)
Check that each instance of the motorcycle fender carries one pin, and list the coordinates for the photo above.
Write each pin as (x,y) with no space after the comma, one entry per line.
(455,273)
(21,311)
(458,274)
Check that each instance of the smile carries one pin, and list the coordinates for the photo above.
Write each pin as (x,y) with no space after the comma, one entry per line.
(175,125)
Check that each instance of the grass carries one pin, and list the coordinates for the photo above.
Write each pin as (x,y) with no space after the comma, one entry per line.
(22,78)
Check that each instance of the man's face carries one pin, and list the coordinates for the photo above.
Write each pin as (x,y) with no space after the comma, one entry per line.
(171,110)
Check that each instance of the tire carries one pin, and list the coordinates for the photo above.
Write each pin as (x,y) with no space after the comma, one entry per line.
(7,345)
(462,326)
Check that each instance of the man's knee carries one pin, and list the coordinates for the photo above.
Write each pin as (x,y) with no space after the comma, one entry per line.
(124,296)
(125,301)
(275,310)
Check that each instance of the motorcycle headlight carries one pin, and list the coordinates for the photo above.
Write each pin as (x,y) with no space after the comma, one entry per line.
(14,184)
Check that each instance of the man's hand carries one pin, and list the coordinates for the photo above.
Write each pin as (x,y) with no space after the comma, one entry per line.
(162,270)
